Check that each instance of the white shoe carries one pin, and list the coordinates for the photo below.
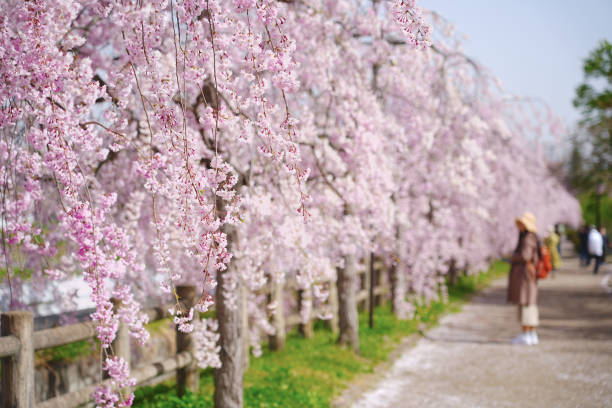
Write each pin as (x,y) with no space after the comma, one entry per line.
(534,338)
(522,339)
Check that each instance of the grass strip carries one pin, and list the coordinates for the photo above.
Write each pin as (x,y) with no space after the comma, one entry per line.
(310,373)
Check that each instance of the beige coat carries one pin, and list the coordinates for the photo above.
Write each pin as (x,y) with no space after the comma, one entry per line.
(522,285)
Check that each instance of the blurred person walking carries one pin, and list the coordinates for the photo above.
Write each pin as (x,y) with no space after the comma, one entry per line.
(606,248)
(552,243)
(522,280)
(583,234)
(559,230)
(605,244)
(595,247)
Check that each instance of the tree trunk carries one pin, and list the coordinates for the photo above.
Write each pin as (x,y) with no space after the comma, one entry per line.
(347,304)
(229,377)
(397,277)
(188,377)
(398,287)
(306,329)
(333,323)
(245,329)
(277,340)
(371,286)
(452,273)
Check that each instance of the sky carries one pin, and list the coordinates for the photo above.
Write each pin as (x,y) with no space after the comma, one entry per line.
(535,47)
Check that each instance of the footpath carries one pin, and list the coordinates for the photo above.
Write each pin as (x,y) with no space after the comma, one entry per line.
(467,360)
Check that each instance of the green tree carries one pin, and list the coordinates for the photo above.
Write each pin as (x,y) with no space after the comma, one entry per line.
(575,171)
(594,99)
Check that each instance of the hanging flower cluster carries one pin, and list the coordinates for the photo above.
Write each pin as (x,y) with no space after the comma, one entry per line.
(414,27)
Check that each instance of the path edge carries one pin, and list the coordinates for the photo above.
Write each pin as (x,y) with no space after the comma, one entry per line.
(365,382)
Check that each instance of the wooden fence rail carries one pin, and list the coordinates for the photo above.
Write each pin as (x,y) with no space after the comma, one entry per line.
(18,343)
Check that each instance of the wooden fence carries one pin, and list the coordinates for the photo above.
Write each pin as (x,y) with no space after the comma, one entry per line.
(19,342)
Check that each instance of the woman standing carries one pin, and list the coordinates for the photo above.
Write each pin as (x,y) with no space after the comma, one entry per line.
(522,285)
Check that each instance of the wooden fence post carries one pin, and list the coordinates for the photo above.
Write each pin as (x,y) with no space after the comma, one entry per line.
(188,377)
(277,340)
(364,285)
(121,344)
(381,282)
(18,369)
(305,329)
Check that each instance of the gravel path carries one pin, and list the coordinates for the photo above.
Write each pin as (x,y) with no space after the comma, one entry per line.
(468,362)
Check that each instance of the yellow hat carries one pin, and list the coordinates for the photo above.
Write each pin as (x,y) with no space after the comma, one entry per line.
(528,220)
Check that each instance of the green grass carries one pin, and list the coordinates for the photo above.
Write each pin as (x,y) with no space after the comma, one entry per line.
(68,352)
(467,285)
(310,373)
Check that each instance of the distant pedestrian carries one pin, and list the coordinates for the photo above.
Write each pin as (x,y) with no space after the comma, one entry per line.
(552,243)
(522,280)
(605,244)
(596,247)
(559,229)
(583,234)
